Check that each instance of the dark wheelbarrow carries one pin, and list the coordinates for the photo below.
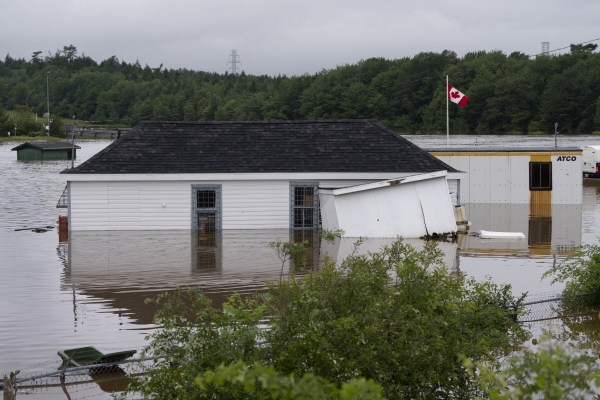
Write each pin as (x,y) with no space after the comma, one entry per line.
(88,356)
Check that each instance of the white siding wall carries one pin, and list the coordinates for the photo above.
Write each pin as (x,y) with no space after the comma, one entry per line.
(256,205)
(139,205)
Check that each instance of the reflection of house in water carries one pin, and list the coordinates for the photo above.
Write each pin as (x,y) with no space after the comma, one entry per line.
(126,267)
(123,268)
(550,229)
(206,251)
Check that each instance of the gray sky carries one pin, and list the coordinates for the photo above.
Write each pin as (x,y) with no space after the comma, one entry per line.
(284,37)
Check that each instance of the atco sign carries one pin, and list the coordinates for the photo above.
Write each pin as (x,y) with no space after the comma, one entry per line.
(566,158)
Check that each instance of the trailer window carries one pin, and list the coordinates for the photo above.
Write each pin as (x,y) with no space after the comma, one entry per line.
(540,176)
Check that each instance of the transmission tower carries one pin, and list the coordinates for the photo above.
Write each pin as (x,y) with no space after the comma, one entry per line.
(545,48)
(234,61)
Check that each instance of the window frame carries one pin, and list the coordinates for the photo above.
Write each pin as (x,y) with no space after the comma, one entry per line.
(531,177)
(314,206)
(217,209)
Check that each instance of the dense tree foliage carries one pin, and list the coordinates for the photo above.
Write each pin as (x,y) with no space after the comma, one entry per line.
(509,93)
(394,322)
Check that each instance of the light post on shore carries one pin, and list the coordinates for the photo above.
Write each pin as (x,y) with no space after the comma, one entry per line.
(48,102)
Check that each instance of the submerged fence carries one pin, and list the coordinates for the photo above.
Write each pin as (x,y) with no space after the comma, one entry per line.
(110,377)
(114,376)
(554,305)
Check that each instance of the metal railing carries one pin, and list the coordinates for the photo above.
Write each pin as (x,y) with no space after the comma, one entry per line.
(63,201)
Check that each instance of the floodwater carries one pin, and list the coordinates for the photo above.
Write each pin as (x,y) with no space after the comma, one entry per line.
(89,289)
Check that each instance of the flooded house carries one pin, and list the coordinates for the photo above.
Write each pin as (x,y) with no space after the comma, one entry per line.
(40,151)
(207,176)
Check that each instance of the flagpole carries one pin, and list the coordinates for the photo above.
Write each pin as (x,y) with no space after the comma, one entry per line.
(447,117)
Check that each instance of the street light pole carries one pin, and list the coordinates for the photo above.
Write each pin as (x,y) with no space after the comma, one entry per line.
(48,102)
(73,144)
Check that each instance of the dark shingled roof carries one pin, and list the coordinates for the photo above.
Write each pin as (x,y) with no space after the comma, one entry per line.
(47,146)
(277,146)
(477,149)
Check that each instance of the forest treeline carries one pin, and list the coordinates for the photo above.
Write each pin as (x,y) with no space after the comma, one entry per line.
(508,93)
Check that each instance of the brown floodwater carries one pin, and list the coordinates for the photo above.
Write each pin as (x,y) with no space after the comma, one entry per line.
(88,289)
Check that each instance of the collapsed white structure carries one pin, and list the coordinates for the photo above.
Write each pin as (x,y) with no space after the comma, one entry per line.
(411,207)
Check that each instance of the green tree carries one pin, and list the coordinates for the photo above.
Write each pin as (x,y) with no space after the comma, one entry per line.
(580,272)
(553,372)
(344,323)
(57,126)
(6,124)
(26,125)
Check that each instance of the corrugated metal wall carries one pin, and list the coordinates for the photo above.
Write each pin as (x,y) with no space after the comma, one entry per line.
(505,178)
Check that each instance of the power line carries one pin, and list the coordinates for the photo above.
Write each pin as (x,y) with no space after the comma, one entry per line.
(562,48)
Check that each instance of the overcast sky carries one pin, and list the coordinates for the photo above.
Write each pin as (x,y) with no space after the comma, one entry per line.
(289,37)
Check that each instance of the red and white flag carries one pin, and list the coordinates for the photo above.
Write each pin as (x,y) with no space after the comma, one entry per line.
(457,97)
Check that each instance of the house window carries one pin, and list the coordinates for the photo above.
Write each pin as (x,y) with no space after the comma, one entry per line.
(540,176)
(206,208)
(304,199)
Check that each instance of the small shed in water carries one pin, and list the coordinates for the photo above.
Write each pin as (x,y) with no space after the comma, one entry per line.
(36,151)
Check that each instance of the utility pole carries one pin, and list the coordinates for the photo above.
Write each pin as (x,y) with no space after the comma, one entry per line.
(234,61)
(73,144)
(48,102)
(545,48)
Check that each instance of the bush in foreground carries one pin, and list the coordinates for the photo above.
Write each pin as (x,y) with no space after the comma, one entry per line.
(395,320)
(554,372)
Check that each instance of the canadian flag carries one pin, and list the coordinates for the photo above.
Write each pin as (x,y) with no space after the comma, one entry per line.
(457,97)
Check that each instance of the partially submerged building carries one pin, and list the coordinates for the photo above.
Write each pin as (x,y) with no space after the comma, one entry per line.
(536,176)
(236,175)
(44,151)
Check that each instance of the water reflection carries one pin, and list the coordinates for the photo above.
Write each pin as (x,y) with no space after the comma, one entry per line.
(550,230)
(123,268)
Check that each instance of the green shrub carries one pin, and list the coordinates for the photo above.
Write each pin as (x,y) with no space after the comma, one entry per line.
(553,372)
(396,318)
(580,272)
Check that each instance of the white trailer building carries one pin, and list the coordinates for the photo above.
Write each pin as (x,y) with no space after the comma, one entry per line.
(235,175)
(517,175)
